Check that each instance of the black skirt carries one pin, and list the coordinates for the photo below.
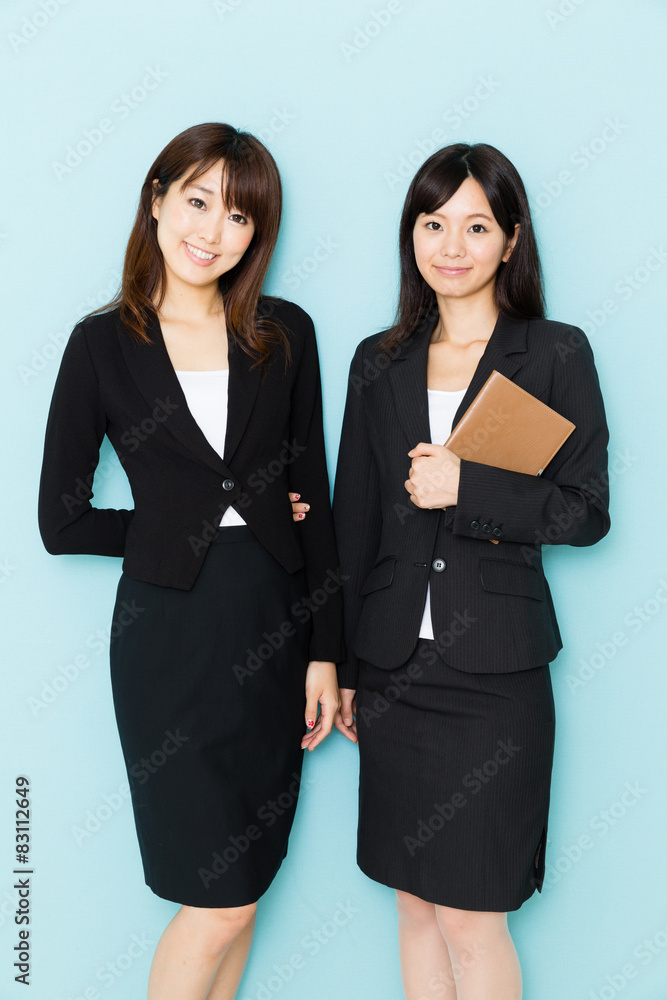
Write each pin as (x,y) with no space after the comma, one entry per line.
(208,687)
(455,775)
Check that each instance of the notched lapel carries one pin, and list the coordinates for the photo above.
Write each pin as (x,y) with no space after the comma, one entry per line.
(408,372)
(244,383)
(153,373)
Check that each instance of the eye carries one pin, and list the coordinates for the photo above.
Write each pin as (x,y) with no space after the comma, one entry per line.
(433,223)
(479,227)
(201,203)
(237,217)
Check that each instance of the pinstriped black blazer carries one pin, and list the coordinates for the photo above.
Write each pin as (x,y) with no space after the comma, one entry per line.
(491,605)
(110,384)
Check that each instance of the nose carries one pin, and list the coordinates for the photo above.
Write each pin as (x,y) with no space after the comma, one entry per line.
(210,230)
(452,244)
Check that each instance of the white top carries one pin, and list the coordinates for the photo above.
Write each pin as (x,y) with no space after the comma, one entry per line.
(206,396)
(442,407)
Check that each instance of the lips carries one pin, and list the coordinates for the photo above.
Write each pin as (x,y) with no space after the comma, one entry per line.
(452,272)
(199,256)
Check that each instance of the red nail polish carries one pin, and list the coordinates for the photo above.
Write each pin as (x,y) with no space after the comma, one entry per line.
(310,723)
(297,495)
(302,515)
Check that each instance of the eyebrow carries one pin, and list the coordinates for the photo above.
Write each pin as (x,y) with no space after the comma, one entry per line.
(475,215)
(201,188)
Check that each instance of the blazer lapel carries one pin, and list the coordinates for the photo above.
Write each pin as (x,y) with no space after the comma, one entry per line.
(408,372)
(153,373)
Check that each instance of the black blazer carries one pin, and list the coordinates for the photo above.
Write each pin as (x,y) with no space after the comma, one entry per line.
(110,384)
(491,604)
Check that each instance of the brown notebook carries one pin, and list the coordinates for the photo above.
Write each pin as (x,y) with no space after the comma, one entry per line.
(507,427)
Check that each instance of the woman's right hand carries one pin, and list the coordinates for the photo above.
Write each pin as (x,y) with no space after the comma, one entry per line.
(298,509)
(344,719)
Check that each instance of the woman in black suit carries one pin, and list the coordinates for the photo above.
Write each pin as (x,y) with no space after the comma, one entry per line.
(226,609)
(448,636)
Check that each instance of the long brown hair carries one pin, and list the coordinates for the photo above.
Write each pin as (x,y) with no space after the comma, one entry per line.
(518,287)
(251,184)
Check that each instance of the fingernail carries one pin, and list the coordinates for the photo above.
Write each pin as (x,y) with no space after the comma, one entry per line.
(310,723)
(296,496)
(302,515)
(307,506)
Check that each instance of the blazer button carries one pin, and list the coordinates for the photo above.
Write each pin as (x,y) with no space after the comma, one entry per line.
(438,565)
(486,528)
(228,484)
(497,532)
(474,525)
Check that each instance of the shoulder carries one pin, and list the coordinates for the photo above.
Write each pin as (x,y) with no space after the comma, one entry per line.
(290,315)
(98,332)
(561,340)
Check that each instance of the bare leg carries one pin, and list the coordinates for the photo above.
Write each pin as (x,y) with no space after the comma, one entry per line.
(426,969)
(484,960)
(189,952)
(231,968)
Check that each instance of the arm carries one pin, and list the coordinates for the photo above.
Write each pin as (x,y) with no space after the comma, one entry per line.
(76,425)
(357,512)
(568,504)
(308,474)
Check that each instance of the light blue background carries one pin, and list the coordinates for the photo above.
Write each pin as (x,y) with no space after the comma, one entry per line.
(348,127)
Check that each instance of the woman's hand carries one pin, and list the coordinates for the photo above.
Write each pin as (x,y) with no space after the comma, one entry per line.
(298,509)
(345,721)
(434,476)
(322,689)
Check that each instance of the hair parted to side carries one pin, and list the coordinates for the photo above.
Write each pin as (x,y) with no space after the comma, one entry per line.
(518,287)
(251,184)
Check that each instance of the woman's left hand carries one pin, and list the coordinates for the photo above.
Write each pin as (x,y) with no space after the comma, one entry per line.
(322,689)
(298,509)
(434,476)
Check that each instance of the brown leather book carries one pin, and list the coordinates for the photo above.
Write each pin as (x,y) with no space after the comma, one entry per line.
(508,427)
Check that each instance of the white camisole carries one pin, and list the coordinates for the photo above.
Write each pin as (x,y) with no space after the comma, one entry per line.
(442,407)
(206,395)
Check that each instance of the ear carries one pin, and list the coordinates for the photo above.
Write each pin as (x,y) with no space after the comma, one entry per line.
(157,199)
(511,243)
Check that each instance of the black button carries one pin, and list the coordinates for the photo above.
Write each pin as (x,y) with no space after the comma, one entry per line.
(228,484)
(474,525)
(497,532)
(486,528)
(438,565)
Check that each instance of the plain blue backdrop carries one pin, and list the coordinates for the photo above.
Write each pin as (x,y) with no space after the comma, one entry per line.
(350,98)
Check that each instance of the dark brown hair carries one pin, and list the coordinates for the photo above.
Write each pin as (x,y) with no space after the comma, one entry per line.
(518,287)
(251,184)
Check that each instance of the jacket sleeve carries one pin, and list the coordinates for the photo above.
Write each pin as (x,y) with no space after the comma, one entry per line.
(567,504)
(357,512)
(308,476)
(68,523)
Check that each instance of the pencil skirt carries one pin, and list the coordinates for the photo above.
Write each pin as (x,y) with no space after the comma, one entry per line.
(209,694)
(455,776)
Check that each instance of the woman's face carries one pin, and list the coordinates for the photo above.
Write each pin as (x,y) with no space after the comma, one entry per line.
(200,237)
(459,247)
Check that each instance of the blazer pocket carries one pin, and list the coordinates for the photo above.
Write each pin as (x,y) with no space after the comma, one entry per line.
(504,577)
(380,576)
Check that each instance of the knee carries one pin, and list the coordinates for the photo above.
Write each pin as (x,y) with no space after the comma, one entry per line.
(413,910)
(469,931)
(217,928)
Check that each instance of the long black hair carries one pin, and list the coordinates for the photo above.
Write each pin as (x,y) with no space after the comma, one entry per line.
(518,287)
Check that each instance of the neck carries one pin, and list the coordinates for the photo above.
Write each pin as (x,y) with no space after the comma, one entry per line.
(193,303)
(463,321)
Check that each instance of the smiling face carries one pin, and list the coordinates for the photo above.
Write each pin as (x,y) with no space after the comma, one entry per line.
(459,247)
(200,237)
